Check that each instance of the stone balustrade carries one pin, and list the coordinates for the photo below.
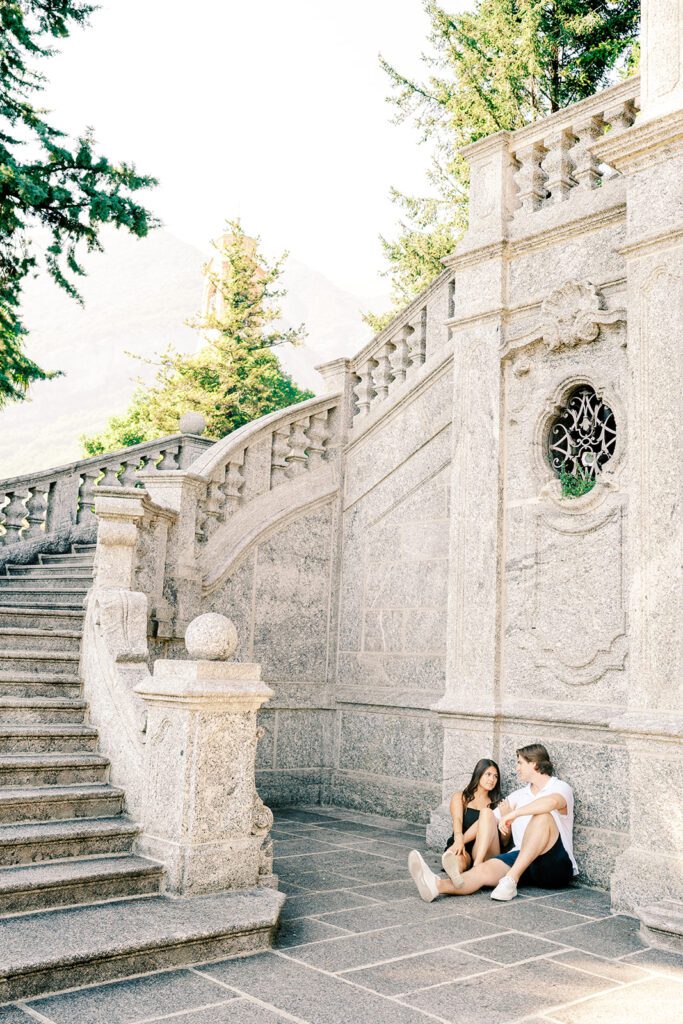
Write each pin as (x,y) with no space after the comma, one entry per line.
(396,354)
(39,504)
(552,159)
(262,455)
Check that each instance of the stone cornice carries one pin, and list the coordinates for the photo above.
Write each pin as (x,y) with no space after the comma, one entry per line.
(643,144)
(580,716)
(659,241)
(544,236)
(493,250)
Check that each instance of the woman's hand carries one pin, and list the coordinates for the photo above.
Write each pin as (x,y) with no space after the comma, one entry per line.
(458,844)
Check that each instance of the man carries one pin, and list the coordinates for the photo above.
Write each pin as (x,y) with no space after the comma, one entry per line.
(541,816)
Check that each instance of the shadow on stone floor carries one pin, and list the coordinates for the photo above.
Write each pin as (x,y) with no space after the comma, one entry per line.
(356,944)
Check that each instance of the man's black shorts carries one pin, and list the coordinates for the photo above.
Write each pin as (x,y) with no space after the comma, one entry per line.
(552,870)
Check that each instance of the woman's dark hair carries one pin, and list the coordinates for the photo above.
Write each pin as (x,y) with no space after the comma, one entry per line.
(470,789)
(537,755)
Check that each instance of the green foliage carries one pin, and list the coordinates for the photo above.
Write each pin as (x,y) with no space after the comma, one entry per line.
(501,65)
(235,377)
(575,485)
(47,181)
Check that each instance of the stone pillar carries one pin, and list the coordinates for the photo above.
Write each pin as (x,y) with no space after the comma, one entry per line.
(120,512)
(202,816)
(468,708)
(650,156)
(181,492)
(339,378)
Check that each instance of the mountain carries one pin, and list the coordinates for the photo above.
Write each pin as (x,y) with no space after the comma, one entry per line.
(138,295)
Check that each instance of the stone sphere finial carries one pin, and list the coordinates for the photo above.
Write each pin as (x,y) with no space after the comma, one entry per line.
(211,637)
(192,423)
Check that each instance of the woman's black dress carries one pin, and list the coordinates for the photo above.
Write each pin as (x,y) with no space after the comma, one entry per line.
(468,819)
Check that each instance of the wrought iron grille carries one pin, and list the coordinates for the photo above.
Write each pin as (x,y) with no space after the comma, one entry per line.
(583,436)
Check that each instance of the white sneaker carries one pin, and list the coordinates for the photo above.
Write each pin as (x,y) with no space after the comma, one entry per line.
(505,890)
(449,862)
(424,878)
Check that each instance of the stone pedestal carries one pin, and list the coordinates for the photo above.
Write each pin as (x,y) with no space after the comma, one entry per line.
(202,816)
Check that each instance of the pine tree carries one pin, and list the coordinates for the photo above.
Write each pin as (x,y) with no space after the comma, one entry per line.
(499,66)
(235,376)
(47,181)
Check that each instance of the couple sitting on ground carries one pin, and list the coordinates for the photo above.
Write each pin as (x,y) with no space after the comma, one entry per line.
(540,817)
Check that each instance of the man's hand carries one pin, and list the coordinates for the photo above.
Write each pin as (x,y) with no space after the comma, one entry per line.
(505,822)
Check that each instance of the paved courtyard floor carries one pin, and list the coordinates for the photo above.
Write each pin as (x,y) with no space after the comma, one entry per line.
(358,945)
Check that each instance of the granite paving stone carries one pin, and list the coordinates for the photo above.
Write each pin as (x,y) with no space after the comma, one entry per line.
(527,916)
(122,1002)
(589,902)
(303,930)
(300,846)
(618,970)
(309,995)
(511,948)
(388,891)
(333,837)
(415,972)
(663,961)
(365,919)
(612,937)
(14,1015)
(509,993)
(315,880)
(658,999)
(238,1011)
(314,904)
(374,947)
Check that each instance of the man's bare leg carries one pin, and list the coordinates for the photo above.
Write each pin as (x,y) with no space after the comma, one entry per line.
(488,873)
(540,836)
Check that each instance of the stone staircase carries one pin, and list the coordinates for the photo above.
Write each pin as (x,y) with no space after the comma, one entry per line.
(64,837)
(77,905)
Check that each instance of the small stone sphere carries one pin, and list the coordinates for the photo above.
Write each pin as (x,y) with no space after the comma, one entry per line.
(211,637)
(192,423)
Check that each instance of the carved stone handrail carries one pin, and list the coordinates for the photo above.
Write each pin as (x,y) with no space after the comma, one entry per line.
(553,157)
(396,353)
(58,500)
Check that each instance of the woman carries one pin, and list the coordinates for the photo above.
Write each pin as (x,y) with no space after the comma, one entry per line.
(475,830)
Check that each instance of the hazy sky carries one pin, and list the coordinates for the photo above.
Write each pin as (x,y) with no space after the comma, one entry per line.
(273,110)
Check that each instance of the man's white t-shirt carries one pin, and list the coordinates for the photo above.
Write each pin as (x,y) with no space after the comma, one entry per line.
(564,822)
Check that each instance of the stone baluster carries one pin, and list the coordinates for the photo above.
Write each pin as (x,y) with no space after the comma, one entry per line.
(36,509)
(400,357)
(530,177)
(169,458)
(364,389)
(620,115)
(557,164)
(234,481)
(86,494)
(298,444)
(586,166)
(129,476)
(199,772)
(111,475)
(278,459)
(15,516)
(418,342)
(318,432)
(381,374)
(210,511)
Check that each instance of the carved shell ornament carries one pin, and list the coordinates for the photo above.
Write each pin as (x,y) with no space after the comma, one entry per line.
(573,314)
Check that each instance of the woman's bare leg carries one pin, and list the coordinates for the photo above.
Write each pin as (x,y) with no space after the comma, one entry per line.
(488,873)
(487,842)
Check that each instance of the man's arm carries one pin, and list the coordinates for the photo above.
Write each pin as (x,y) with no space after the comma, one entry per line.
(541,805)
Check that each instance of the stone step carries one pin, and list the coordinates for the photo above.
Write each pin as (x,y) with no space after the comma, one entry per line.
(52,769)
(49,572)
(38,739)
(53,803)
(23,585)
(87,558)
(35,596)
(35,842)
(38,662)
(36,639)
(82,549)
(62,883)
(40,710)
(41,618)
(39,684)
(84,945)
(661,925)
